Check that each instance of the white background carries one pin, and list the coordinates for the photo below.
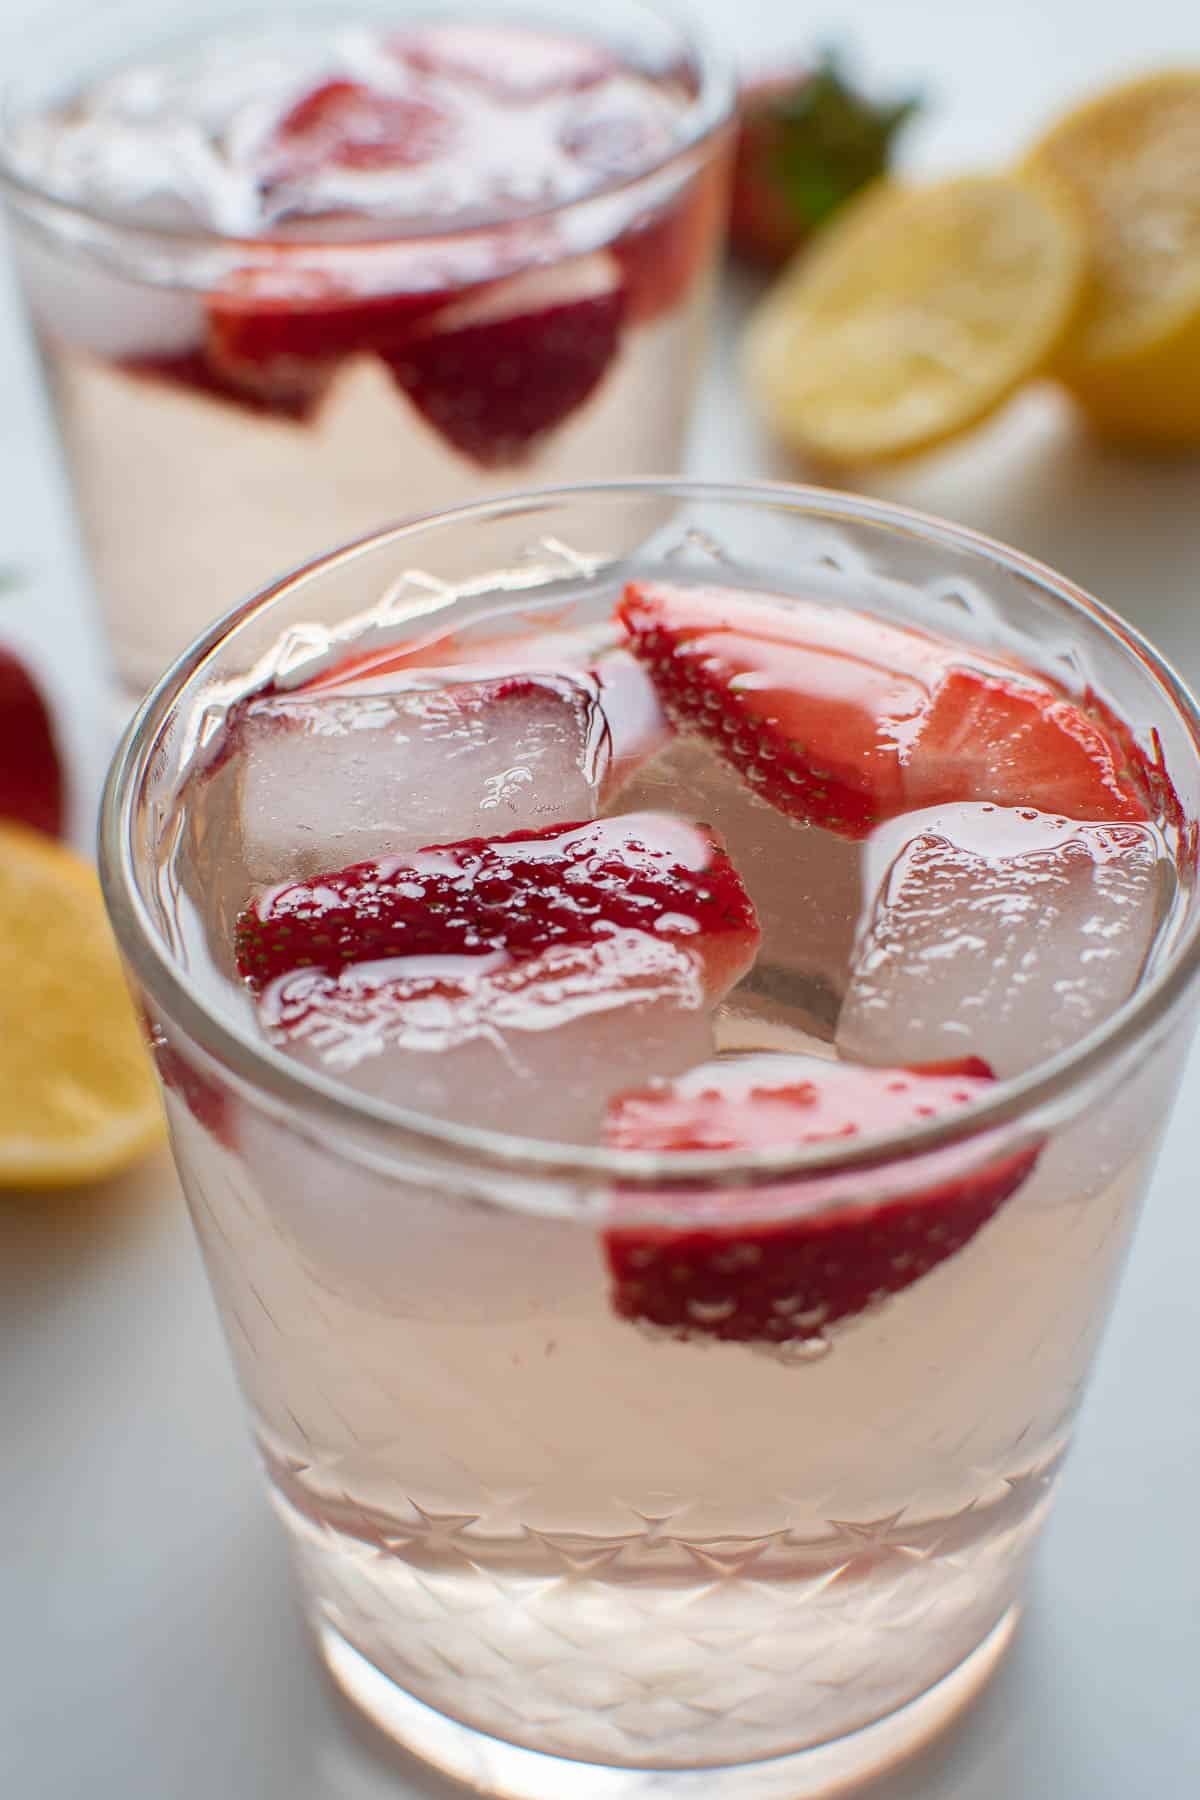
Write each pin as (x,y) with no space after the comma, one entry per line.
(149,1643)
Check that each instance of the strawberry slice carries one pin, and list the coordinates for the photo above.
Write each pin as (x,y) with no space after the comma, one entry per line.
(840,719)
(31,777)
(293,392)
(347,125)
(785,1281)
(275,332)
(274,335)
(987,737)
(810,704)
(499,901)
(663,254)
(496,376)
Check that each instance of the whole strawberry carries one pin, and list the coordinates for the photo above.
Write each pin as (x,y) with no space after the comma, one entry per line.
(31,779)
(807,142)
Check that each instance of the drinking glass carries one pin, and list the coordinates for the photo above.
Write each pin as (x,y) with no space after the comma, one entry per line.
(231,405)
(529,1535)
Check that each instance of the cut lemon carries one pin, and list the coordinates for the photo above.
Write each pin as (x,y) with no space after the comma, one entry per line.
(916,314)
(1130,161)
(78,1098)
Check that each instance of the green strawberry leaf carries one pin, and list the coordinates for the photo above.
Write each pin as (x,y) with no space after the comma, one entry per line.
(830,141)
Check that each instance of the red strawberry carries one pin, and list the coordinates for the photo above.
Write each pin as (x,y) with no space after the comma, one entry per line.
(785,1280)
(511,898)
(494,383)
(275,332)
(31,777)
(985,737)
(291,396)
(347,125)
(663,254)
(811,704)
(807,142)
(274,335)
(843,720)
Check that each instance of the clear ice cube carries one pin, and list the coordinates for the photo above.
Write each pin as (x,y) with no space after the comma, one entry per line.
(337,778)
(534,1047)
(308,782)
(805,884)
(998,932)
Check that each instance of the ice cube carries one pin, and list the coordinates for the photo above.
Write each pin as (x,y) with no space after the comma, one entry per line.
(419,1249)
(518,64)
(999,932)
(535,1047)
(337,778)
(305,782)
(805,883)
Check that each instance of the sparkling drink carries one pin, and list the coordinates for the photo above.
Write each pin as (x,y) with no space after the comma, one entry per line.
(296,281)
(683,992)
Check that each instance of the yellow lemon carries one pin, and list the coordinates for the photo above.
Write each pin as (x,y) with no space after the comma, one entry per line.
(78,1098)
(1130,161)
(915,315)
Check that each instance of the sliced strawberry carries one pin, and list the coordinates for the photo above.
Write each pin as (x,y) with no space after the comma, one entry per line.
(511,62)
(840,719)
(31,777)
(274,338)
(985,737)
(294,394)
(347,125)
(495,382)
(275,334)
(811,704)
(507,899)
(786,1280)
(663,254)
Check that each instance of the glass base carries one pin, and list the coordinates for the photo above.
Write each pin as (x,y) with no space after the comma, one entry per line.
(487,1765)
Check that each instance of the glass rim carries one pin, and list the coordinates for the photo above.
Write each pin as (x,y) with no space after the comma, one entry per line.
(297,1087)
(709,112)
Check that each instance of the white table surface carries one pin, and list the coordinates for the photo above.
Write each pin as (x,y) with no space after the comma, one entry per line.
(150,1647)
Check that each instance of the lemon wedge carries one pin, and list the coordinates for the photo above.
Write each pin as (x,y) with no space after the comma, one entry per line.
(1130,161)
(917,313)
(78,1099)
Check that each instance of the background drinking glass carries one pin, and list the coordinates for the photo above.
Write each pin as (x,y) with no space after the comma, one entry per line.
(521,1525)
(242,377)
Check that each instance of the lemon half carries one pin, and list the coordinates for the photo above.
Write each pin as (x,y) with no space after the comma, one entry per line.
(78,1098)
(916,314)
(1130,162)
